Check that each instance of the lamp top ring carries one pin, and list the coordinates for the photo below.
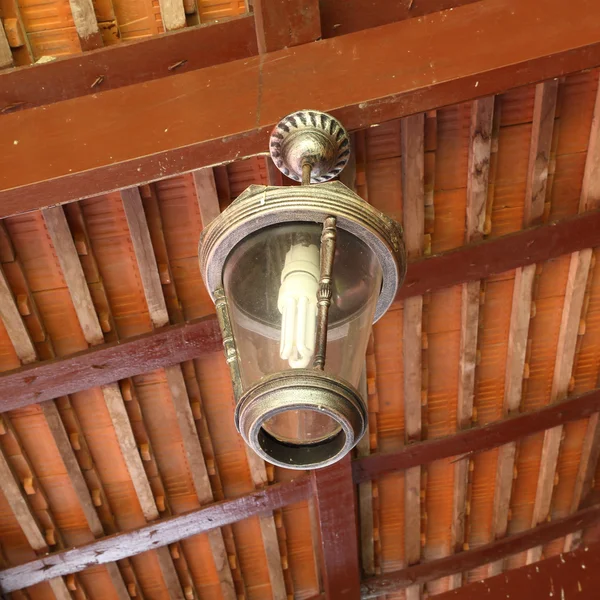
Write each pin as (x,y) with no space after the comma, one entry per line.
(260,207)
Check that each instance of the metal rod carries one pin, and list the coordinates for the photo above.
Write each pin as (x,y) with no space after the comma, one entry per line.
(328,239)
(306,169)
(231,353)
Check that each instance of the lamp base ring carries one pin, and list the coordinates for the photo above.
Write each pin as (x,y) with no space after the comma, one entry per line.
(301,389)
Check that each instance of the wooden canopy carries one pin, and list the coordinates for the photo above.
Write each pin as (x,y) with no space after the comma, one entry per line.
(476,124)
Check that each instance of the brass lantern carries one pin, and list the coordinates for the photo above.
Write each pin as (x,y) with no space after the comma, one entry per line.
(298,275)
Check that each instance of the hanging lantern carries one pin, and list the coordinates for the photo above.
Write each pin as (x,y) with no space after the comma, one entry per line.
(298,275)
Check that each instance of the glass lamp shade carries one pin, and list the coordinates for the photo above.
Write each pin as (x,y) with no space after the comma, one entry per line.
(271,280)
(261,261)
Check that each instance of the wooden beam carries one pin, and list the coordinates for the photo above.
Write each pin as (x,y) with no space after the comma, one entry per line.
(479,439)
(153,145)
(86,25)
(172,13)
(108,363)
(336,508)
(339,17)
(482,117)
(142,247)
(157,309)
(571,575)
(412,133)
(579,271)
(64,246)
(206,193)
(491,257)
(155,535)
(471,559)
(286,23)
(6,57)
(129,449)
(590,198)
(127,64)
(544,111)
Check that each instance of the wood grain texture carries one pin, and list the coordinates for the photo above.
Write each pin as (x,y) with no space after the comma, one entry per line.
(412,134)
(109,362)
(498,255)
(127,64)
(236,126)
(142,247)
(471,559)
(86,25)
(339,17)
(172,13)
(544,110)
(13,323)
(590,199)
(157,309)
(334,494)
(155,535)
(206,192)
(129,450)
(579,271)
(64,246)
(482,117)
(286,23)
(6,58)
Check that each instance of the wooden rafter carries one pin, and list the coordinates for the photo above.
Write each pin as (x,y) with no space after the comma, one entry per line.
(590,197)
(471,559)
(286,24)
(142,245)
(494,62)
(155,535)
(412,131)
(66,252)
(579,271)
(478,439)
(537,176)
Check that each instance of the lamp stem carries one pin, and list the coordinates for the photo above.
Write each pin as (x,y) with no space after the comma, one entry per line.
(328,239)
(306,170)
(231,353)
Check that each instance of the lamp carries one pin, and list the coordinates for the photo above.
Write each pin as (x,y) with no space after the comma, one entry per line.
(298,275)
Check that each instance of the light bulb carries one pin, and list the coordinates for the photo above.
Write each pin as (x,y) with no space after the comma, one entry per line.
(297,303)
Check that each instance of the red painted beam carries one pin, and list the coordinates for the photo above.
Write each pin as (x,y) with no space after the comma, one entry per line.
(572,576)
(154,535)
(340,17)
(478,439)
(336,507)
(286,23)
(471,559)
(128,63)
(154,130)
(108,363)
(493,256)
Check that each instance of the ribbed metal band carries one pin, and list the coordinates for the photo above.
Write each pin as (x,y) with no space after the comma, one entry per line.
(301,389)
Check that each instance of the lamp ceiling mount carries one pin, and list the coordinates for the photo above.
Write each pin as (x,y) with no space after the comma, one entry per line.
(310,137)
